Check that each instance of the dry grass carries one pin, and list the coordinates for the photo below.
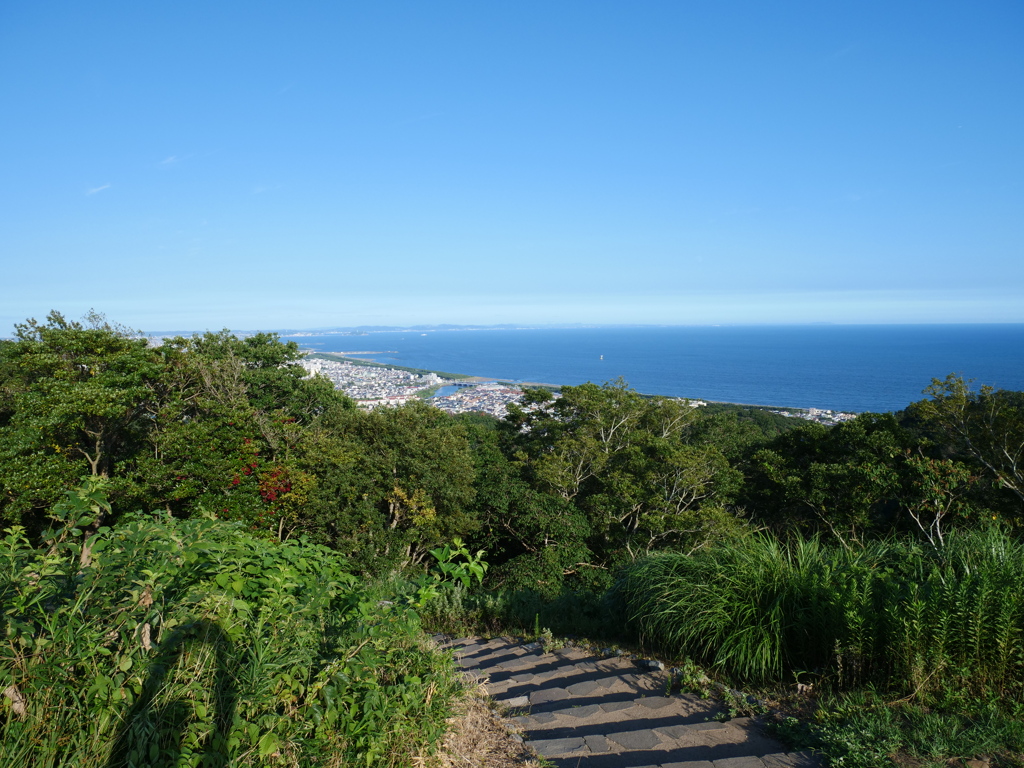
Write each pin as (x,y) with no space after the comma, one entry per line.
(479,738)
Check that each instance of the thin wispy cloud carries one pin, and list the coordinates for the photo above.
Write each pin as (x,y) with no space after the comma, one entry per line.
(94,190)
(170,160)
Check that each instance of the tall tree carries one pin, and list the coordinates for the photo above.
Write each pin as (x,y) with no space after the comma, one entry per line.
(536,540)
(228,416)
(843,480)
(984,426)
(76,399)
(210,421)
(627,462)
(863,478)
(403,483)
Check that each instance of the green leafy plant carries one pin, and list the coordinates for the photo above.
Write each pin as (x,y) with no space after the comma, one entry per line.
(454,564)
(194,642)
(925,622)
(689,678)
(740,704)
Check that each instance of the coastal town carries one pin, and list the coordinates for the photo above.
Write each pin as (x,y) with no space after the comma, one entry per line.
(820,415)
(824,416)
(372,386)
(488,397)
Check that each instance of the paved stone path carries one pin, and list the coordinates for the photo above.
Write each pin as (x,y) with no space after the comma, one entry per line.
(584,711)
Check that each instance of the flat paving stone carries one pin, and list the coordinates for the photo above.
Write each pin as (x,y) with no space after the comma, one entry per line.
(516,701)
(690,764)
(582,712)
(644,739)
(548,694)
(493,656)
(584,688)
(675,731)
(552,747)
(711,725)
(527,722)
(541,677)
(616,706)
(739,762)
(515,664)
(597,743)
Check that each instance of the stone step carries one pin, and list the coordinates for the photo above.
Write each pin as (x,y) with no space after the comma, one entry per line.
(584,711)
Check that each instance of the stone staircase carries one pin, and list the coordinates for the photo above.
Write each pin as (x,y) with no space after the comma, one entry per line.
(578,710)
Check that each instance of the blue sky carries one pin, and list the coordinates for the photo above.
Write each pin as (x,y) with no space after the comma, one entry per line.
(265,165)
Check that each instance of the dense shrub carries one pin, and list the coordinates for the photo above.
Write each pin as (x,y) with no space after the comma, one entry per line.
(164,642)
(581,613)
(861,729)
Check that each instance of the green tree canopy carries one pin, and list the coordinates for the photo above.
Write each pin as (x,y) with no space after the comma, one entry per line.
(628,463)
(76,400)
(983,426)
(403,483)
(205,421)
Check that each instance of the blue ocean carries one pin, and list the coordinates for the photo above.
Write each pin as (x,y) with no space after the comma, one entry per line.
(839,367)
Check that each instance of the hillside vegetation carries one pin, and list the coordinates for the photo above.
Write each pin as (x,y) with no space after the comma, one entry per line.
(212,560)
(193,642)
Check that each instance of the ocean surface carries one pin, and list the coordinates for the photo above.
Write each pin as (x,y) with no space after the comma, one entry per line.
(839,367)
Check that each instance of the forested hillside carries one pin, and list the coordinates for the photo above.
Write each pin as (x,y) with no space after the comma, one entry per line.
(212,461)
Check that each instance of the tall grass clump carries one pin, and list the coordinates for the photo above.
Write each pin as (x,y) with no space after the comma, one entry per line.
(897,613)
(165,642)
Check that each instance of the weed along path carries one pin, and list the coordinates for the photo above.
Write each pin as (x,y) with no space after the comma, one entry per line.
(578,710)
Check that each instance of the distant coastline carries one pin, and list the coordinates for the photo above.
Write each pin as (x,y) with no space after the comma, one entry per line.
(824,416)
(830,367)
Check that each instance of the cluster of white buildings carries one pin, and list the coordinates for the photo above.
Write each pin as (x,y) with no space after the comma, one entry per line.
(822,416)
(487,398)
(372,385)
(828,417)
